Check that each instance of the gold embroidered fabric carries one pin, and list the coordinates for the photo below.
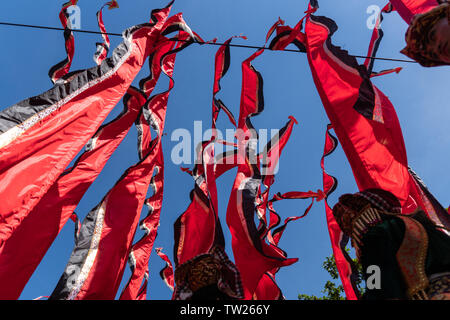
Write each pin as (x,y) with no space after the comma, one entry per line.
(411,258)
(200,272)
(439,288)
(213,268)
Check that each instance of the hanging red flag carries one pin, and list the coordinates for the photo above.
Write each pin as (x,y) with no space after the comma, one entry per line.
(24,250)
(39,136)
(222,64)
(198,232)
(140,252)
(377,36)
(339,240)
(97,263)
(62,68)
(103,48)
(167,272)
(363,118)
(409,8)
(253,256)
(365,123)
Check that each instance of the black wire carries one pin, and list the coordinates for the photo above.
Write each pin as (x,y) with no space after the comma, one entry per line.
(208,43)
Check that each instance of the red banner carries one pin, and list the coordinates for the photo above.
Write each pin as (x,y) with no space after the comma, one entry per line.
(140,252)
(99,257)
(409,8)
(24,250)
(62,68)
(253,255)
(103,47)
(39,136)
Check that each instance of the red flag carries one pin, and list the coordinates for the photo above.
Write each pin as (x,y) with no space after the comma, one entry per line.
(363,118)
(62,68)
(97,262)
(24,250)
(39,136)
(222,63)
(107,233)
(377,36)
(268,289)
(103,48)
(140,252)
(365,123)
(253,256)
(167,272)
(409,8)
(198,231)
(338,239)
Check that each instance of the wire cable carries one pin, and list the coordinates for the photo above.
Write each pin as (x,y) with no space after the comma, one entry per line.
(203,43)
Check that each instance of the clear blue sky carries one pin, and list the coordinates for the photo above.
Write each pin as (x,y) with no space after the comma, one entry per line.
(420,96)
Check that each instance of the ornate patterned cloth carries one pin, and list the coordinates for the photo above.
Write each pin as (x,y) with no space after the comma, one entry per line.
(209,276)
(439,288)
(408,249)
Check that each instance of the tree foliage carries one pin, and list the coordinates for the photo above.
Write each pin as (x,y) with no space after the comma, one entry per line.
(331,290)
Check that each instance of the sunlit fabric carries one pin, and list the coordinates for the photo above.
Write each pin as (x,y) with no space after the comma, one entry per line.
(62,68)
(253,256)
(407,9)
(363,118)
(40,137)
(98,260)
(339,240)
(198,231)
(103,47)
(166,273)
(40,227)
(222,64)
(377,36)
(140,252)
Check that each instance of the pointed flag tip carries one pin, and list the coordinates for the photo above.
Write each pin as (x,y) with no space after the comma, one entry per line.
(293,119)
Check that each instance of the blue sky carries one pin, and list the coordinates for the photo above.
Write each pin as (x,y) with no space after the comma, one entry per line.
(420,96)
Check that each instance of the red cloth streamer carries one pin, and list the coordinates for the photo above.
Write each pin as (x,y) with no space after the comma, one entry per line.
(141,250)
(267,288)
(374,44)
(365,123)
(103,48)
(363,118)
(167,272)
(433,207)
(62,68)
(384,72)
(40,228)
(222,64)
(269,159)
(198,230)
(409,8)
(35,152)
(337,237)
(110,228)
(97,262)
(253,256)
(377,36)
(275,235)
